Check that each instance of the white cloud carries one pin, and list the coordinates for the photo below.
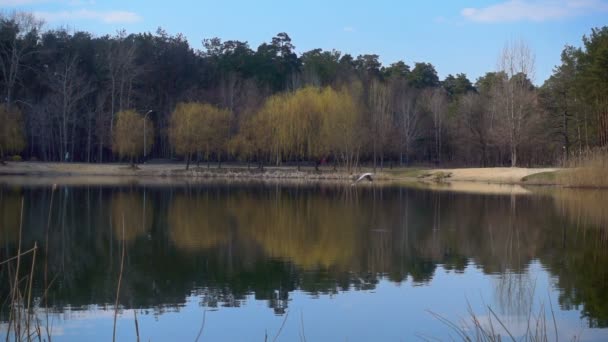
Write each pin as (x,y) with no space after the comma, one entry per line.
(349,29)
(84,14)
(533,10)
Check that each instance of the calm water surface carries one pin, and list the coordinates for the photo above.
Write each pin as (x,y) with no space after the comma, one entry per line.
(326,262)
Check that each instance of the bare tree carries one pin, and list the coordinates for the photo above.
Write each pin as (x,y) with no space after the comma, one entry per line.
(121,67)
(436,102)
(380,125)
(477,133)
(517,99)
(69,87)
(407,118)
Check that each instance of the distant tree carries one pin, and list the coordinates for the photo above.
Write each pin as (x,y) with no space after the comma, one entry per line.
(594,77)
(517,99)
(11,131)
(396,70)
(309,124)
(214,134)
(408,117)
(456,86)
(319,68)
(128,135)
(120,63)
(558,96)
(436,101)
(341,126)
(199,128)
(476,130)
(68,88)
(379,102)
(423,75)
(18,40)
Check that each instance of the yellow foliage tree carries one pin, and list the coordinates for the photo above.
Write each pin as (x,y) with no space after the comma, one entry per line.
(309,124)
(342,126)
(199,127)
(11,131)
(128,135)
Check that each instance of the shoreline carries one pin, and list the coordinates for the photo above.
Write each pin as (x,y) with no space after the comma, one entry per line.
(496,175)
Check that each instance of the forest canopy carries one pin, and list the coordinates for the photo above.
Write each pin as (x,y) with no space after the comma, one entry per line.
(62,92)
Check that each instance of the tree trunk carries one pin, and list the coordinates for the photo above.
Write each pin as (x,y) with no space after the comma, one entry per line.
(513,156)
(374,157)
(188,161)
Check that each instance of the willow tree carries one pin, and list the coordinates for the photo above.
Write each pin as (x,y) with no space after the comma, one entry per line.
(271,121)
(309,124)
(11,131)
(307,112)
(294,121)
(132,136)
(252,141)
(342,126)
(199,128)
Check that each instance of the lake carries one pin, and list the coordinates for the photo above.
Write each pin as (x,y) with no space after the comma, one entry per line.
(305,261)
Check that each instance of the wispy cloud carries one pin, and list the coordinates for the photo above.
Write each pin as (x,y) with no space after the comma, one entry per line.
(533,10)
(349,29)
(12,3)
(84,14)
(16,3)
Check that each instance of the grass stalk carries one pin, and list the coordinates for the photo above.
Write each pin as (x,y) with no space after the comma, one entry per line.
(122,263)
(200,332)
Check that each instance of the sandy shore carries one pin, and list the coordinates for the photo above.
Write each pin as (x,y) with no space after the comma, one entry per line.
(490,174)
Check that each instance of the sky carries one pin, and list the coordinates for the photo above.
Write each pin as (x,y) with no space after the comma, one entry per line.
(455,36)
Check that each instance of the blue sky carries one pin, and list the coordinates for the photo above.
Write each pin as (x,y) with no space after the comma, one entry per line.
(455,36)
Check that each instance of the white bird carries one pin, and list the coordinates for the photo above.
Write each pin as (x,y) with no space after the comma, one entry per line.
(367,176)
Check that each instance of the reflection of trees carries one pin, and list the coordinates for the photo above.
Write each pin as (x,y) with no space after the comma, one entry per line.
(136,212)
(583,207)
(307,230)
(197,222)
(10,209)
(578,258)
(225,243)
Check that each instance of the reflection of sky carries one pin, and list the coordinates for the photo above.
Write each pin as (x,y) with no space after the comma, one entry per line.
(389,312)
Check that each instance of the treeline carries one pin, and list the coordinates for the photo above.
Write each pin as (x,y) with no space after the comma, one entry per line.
(77,97)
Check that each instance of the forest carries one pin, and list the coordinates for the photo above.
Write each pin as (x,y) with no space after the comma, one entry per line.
(73,96)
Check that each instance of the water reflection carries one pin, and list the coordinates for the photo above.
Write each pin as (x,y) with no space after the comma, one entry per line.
(225,242)
(131,215)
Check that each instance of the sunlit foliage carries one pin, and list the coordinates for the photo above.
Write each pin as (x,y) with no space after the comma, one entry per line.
(128,139)
(199,128)
(309,124)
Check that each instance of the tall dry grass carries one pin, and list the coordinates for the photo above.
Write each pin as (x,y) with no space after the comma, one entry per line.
(588,168)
